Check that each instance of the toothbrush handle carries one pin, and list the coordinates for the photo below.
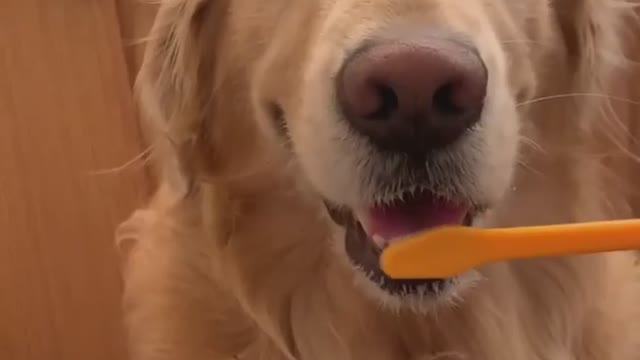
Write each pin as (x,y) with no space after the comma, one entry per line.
(555,240)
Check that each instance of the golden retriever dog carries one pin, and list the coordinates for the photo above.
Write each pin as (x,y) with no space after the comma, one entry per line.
(295,139)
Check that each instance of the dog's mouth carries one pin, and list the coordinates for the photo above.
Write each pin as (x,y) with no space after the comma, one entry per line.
(370,230)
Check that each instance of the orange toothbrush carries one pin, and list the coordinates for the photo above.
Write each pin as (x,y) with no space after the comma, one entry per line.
(451,250)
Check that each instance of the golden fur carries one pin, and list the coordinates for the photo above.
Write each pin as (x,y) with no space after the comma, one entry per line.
(234,256)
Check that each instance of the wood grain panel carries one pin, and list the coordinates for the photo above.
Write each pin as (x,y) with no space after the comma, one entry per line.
(136,18)
(65,111)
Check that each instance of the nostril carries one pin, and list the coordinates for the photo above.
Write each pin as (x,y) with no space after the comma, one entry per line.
(388,103)
(444,102)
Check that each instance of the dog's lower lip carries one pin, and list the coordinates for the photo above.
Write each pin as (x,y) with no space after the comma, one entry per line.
(365,255)
(339,214)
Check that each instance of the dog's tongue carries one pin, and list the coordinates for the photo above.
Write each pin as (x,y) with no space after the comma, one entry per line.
(392,222)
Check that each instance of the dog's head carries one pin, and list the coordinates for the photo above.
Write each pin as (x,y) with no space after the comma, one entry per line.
(400,115)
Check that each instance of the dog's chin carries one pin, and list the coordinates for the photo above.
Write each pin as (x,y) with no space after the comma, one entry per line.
(368,231)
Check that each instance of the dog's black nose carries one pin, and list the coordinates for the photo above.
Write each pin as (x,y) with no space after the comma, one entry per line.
(413,96)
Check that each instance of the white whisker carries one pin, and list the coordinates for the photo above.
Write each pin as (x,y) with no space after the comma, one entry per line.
(575,95)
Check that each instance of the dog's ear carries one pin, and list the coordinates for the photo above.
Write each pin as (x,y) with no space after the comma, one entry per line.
(176,83)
